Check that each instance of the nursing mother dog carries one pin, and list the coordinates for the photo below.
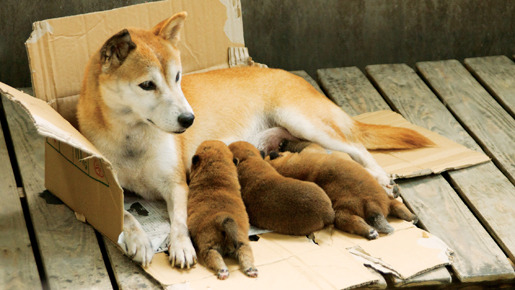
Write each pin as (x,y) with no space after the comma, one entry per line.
(147,119)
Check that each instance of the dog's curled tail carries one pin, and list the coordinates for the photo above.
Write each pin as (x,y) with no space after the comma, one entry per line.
(389,137)
(229,226)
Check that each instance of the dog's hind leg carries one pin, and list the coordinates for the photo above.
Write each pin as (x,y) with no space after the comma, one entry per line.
(214,260)
(246,260)
(375,217)
(353,224)
(398,209)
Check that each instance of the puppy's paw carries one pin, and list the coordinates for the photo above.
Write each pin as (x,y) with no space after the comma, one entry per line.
(136,244)
(372,234)
(222,274)
(251,272)
(182,253)
(389,186)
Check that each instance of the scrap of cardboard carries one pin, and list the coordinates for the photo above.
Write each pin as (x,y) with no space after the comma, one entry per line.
(446,155)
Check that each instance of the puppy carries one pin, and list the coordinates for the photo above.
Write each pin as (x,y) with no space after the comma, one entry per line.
(283,205)
(359,202)
(217,219)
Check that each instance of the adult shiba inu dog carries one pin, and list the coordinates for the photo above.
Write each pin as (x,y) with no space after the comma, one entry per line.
(134,104)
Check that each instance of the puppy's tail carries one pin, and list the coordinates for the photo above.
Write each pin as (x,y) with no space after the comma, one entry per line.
(229,226)
(388,137)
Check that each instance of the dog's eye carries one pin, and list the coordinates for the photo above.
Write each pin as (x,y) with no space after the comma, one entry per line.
(147,86)
(178,77)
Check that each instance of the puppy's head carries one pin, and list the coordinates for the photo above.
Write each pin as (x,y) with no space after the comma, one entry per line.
(242,151)
(209,153)
(139,76)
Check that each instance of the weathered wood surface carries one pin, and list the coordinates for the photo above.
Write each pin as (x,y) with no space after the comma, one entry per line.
(482,116)
(17,264)
(442,211)
(351,90)
(487,191)
(497,74)
(69,249)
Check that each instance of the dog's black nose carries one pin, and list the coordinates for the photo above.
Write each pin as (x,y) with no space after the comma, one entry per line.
(186,119)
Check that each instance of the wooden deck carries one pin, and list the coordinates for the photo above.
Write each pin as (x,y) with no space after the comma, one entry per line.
(43,245)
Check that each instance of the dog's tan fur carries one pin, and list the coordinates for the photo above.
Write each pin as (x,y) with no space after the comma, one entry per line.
(134,103)
(217,219)
(274,202)
(360,203)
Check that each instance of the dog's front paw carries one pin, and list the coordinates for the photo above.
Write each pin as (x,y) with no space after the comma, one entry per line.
(137,245)
(182,253)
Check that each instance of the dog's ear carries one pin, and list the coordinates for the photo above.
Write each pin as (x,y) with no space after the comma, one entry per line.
(170,28)
(116,49)
(236,161)
(194,160)
(273,155)
(262,154)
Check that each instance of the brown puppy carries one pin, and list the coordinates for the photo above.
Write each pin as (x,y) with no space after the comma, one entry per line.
(217,219)
(358,199)
(277,203)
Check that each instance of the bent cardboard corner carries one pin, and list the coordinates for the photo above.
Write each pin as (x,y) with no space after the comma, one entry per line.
(83,178)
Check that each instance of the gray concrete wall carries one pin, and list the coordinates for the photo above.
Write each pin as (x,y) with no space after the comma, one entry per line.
(311,34)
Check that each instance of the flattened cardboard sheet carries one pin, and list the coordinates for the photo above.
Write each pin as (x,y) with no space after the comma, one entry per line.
(446,155)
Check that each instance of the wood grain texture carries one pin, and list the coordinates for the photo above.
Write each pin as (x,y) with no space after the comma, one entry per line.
(69,249)
(351,90)
(128,275)
(478,258)
(497,75)
(17,264)
(482,116)
(487,191)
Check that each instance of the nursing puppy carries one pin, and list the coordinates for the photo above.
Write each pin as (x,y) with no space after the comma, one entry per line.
(359,202)
(217,219)
(274,202)
(139,111)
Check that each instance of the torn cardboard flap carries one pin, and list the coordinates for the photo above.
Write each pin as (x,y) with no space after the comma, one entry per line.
(446,155)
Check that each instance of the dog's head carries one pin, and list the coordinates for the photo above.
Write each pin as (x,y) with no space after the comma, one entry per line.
(212,152)
(140,76)
(242,150)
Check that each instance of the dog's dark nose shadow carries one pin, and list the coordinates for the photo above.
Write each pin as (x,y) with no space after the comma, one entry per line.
(254,238)
(50,198)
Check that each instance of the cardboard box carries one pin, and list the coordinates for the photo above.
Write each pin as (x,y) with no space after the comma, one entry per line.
(83,178)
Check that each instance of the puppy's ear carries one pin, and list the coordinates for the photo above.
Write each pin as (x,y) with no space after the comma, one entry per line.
(170,28)
(116,49)
(273,155)
(236,161)
(262,154)
(194,160)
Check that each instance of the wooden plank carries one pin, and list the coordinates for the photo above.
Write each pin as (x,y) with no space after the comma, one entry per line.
(18,268)
(351,90)
(477,258)
(482,116)
(497,75)
(487,191)
(69,249)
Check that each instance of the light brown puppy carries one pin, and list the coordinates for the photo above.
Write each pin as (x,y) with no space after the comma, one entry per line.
(359,202)
(274,202)
(217,219)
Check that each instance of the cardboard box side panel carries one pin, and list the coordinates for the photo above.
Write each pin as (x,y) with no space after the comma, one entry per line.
(87,186)
(59,49)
